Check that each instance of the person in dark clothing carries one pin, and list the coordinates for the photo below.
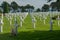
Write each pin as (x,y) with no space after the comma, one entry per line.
(51,24)
(14,30)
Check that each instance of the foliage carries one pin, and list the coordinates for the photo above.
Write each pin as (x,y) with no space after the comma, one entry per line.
(55,5)
(29,7)
(5,7)
(45,8)
(14,5)
(0,11)
(38,10)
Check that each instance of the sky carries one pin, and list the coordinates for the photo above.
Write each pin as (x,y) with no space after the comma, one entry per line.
(35,3)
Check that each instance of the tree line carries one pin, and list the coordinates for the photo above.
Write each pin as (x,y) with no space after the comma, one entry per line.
(14,7)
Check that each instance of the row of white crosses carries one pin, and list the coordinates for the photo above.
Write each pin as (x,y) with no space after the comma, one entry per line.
(9,17)
(52,14)
(1,23)
(58,19)
(41,15)
(33,20)
(22,17)
(45,14)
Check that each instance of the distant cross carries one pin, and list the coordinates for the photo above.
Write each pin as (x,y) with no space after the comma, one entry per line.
(1,25)
(33,21)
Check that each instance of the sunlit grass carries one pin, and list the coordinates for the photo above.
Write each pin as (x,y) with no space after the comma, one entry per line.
(27,32)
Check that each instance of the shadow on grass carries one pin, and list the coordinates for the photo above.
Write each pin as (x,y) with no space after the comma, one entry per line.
(33,35)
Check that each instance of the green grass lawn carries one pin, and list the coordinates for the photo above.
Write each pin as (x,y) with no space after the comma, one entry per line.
(27,32)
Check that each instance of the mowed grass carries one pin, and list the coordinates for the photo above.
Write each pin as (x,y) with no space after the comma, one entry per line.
(27,32)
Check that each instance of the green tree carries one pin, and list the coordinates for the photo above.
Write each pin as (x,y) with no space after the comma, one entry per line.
(56,5)
(53,5)
(45,8)
(5,7)
(38,10)
(49,0)
(14,5)
(29,7)
(0,11)
(22,8)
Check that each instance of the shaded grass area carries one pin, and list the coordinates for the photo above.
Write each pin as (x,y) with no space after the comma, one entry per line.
(33,35)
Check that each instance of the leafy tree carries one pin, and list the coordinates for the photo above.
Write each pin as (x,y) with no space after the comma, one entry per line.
(49,0)
(38,10)
(45,8)
(14,5)
(0,11)
(56,5)
(53,5)
(29,7)
(58,1)
(26,8)
(5,7)
(22,8)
